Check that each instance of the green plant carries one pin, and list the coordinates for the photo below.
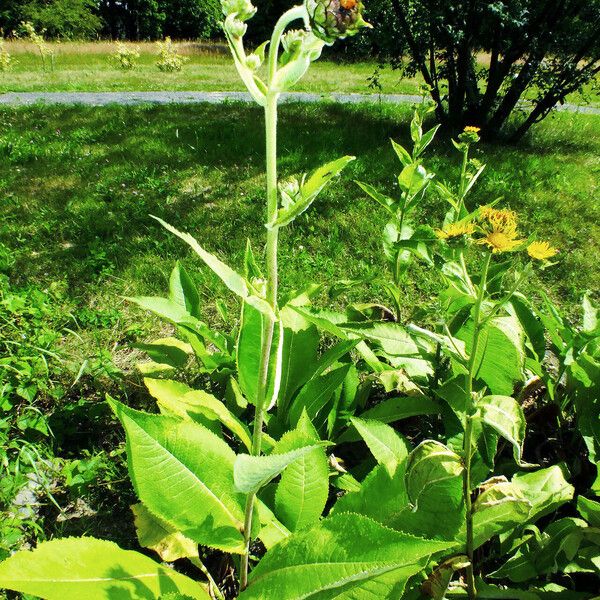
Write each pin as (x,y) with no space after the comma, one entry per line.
(169,60)
(45,51)
(6,60)
(125,57)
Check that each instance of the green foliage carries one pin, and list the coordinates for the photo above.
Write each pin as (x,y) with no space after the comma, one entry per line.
(104,571)
(63,19)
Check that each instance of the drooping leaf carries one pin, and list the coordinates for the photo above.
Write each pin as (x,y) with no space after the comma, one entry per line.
(500,507)
(531,324)
(337,558)
(179,399)
(434,488)
(310,190)
(250,473)
(155,534)
(183,473)
(169,351)
(183,291)
(76,568)
(382,199)
(388,448)
(439,580)
(545,489)
(164,308)
(304,487)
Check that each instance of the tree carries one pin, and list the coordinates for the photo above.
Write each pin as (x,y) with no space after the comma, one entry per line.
(67,19)
(483,59)
(191,19)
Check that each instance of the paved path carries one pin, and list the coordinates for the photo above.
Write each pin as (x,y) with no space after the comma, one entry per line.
(133,98)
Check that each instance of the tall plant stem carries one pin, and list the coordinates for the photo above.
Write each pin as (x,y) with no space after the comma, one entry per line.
(468,438)
(272,274)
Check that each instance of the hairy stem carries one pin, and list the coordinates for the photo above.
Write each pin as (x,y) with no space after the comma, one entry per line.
(468,438)
(272,275)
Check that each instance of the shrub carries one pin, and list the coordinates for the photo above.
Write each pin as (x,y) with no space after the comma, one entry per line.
(6,60)
(169,60)
(125,57)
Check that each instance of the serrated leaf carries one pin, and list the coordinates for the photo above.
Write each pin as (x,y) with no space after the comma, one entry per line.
(310,190)
(250,473)
(338,558)
(302,493)
(155,534)
(388,448)
(233,280)
(183,401)
(183,291)
(505,416)
(183,473)
(76,568)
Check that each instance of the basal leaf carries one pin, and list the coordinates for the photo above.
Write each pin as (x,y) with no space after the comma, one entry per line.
(179,399)
(388,447)
(183,473)
(77,568)
(155,534)
(339,559)
(589,510)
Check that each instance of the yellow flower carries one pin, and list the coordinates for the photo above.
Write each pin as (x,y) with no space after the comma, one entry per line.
(455,230)
(472,129)
(500,230)
(499,241)
(500,219)
(541,250)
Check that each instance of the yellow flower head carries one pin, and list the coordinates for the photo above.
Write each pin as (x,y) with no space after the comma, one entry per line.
(541,250)
(472,129)
(500,229)
(454,230)
(498,241)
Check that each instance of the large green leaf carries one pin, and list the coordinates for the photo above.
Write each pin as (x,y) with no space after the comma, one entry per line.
(165,308)
(299,353)
(178,399)
(233,280)
(434,489)
(500,353)
(345,556)
(546,490)
(250,473)
(505,415)
(78,568)
(589,510)
(584,385)
(310,190)
(183,473)
(302,493)
(500,507)
(388,448)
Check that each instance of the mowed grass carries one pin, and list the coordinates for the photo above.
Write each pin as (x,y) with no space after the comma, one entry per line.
(77,186)
(88,67)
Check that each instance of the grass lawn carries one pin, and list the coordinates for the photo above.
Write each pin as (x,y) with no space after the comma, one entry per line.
(77,186)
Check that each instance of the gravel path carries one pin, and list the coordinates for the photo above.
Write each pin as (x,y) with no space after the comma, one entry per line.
(133,98)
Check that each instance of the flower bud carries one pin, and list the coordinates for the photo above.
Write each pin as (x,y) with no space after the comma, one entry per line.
(234,27)
(242,9)
(335,19)
(290,192)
